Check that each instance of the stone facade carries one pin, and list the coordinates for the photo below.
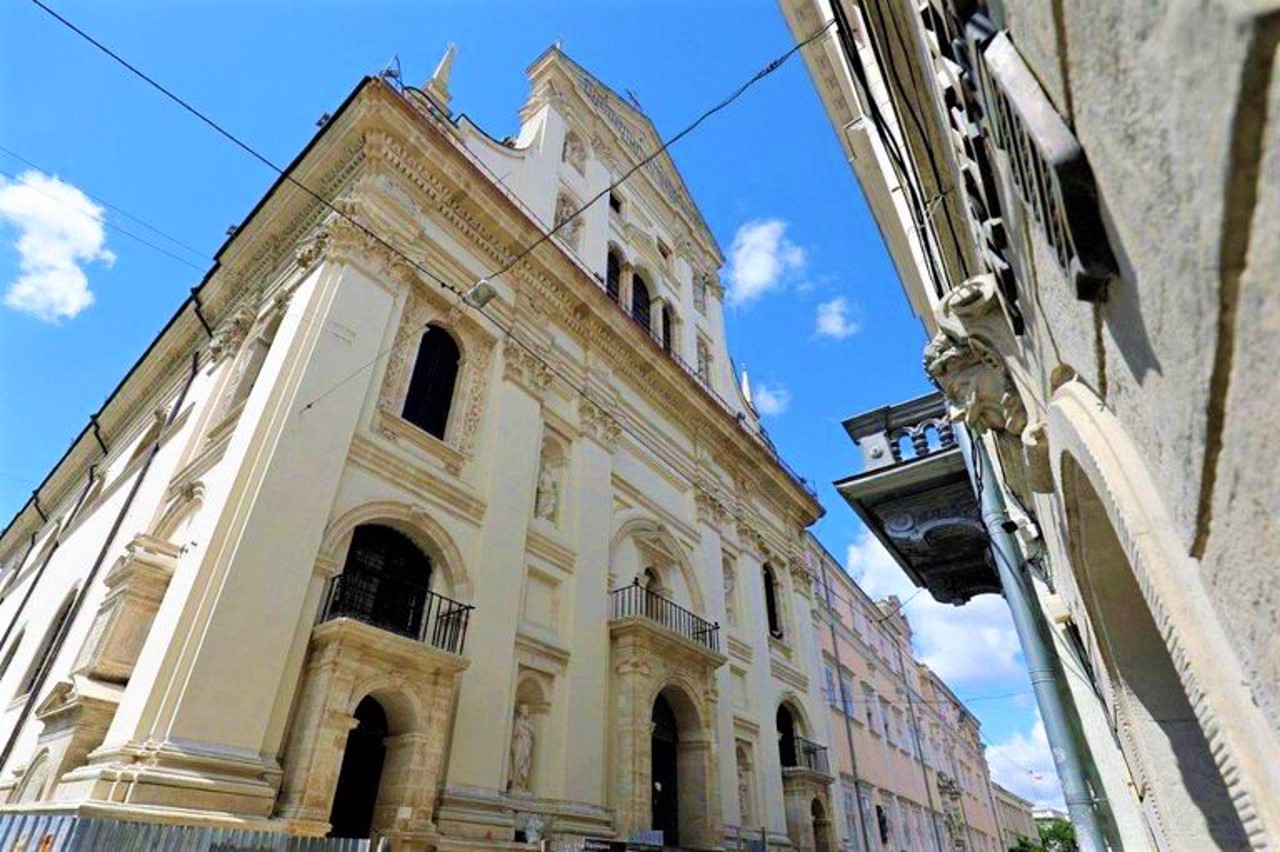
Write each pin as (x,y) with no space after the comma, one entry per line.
(265,570)
(1098,290)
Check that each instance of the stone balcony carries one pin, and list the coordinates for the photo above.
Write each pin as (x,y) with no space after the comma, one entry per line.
(915,497)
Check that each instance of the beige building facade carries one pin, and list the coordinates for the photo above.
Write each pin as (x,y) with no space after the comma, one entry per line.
(1101,295)
(347,555)
(1017,818)
(908,755)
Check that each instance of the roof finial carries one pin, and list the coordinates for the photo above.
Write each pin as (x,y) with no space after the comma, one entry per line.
(438,86)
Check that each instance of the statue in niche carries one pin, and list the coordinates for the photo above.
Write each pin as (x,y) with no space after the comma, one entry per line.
(522,751)
(729,609)
(744,794)
(546,504)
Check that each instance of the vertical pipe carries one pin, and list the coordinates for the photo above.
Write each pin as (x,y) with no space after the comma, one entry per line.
(1042,664)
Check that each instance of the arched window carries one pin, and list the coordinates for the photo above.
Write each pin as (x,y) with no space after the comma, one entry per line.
(640,301)
(771,602)
(356,795)
(668,327)
(786,737)
(435,372)
(384,582)
(46,648)
(613,276)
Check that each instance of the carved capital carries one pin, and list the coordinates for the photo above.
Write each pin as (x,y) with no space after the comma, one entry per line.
(598,424)
(231,334)
(521,366)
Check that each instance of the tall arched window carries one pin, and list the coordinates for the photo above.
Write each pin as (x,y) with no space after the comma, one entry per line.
(46,648)
(384,582)
(771,602)
(613,276)
(435,372)
(640,301)
(786,725)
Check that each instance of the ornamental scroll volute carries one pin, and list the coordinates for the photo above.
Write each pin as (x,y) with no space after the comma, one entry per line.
(967,360)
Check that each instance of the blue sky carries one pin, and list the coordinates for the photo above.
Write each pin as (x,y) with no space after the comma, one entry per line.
(821,322)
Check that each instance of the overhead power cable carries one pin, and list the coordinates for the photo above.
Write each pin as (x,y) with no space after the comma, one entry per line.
(506,333)
(105,203)
(88,215)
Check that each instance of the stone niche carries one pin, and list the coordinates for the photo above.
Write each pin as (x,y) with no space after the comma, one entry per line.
(649,661)
(414,683)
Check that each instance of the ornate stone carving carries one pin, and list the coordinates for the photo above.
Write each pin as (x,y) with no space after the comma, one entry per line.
(572,232)
(598,424)
(575,152)
(546,504)
(231,334)
(962,358)
(521,366)
(522,742)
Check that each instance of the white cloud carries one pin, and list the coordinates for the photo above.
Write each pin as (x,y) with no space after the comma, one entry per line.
(59,229)
(760,259)
(833,319)
(770,399)
(1024,764)
(968,646)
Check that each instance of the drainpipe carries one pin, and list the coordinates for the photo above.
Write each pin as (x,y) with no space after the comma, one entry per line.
(848,724)
(1042,662)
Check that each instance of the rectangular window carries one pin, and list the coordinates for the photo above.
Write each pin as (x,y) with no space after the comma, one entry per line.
(829,687)
(615,203)
(847,697)
(869,697)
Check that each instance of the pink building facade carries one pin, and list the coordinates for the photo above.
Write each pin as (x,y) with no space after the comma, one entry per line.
(911,771)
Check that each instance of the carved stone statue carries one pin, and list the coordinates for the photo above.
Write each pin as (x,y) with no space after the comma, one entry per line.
(547,500)
(744,794)
(522,751)
(729,608)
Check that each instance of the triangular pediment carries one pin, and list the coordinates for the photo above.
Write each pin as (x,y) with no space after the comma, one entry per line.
(555,76)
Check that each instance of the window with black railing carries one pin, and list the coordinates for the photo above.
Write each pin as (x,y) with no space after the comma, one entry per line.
(807,754)
(401,607)
(635,601)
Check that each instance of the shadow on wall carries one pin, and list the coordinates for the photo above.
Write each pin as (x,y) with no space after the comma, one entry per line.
(1122,311)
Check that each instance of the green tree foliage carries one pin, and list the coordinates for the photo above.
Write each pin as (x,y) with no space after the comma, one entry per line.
(1025,845)
(1058,835)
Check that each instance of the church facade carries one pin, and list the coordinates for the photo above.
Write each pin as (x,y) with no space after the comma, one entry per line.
(347,554)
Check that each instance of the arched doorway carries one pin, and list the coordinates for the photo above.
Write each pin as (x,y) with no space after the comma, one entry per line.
(361,773)
(1186,799)
(821,827)
(665,771)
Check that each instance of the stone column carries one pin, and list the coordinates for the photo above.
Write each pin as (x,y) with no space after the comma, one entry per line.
(475,793)
(590,722)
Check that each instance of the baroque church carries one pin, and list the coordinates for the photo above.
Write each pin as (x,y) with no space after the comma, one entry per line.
(349,555)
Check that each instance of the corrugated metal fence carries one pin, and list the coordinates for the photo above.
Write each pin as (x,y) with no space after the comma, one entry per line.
(34,832)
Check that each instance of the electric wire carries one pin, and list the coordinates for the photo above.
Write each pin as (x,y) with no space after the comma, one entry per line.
(105,203)
(506,333)
(103,221)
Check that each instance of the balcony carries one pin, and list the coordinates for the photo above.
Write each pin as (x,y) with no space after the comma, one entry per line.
(808,755)
(406,609)
(915,497)
(635,601)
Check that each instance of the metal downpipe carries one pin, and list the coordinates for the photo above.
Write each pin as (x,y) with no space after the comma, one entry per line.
(1042,663)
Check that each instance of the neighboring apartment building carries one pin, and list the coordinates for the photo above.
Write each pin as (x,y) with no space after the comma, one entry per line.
(1101,293)
(349,554)
(1017,818)
(908,755)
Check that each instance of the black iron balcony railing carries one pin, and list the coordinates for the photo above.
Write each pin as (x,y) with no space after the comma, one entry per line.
(635,601)
(400,607)
(809,755)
